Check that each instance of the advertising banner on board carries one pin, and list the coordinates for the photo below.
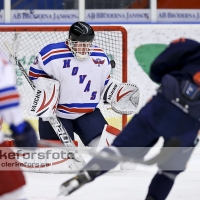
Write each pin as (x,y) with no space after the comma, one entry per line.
(102,16)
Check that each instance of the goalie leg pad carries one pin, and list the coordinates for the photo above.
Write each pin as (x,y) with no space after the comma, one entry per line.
(94,143)
(108,135)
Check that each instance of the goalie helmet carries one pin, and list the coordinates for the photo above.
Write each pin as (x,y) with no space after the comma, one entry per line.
(81,36)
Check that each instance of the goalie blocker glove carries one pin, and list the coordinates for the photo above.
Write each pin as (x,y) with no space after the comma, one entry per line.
(123,97)
(44,102)
(24,135)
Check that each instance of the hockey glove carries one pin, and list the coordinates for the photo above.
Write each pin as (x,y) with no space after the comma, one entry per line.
(24,135)
(123,97)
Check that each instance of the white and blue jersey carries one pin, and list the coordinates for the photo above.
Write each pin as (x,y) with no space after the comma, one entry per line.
(9,98)
(81,82)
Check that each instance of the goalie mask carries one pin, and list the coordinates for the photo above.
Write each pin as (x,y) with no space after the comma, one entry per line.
(81,36)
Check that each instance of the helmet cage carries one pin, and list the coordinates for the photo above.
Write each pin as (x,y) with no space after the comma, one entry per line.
(81,50)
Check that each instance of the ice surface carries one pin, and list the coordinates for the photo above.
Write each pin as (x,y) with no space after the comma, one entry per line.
(116,185)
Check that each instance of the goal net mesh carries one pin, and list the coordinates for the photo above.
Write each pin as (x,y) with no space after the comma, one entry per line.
(26,42)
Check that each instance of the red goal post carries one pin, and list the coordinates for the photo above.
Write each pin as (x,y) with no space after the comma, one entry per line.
(27,41)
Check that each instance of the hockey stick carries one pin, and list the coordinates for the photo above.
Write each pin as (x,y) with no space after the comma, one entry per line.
(86,175)
(54,121)
(166,151)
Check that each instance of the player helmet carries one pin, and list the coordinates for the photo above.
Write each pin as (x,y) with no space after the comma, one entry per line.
(81,36)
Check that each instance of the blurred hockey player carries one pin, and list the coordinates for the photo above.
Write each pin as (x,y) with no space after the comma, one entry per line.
(83,71)
(173,113)
(12,181)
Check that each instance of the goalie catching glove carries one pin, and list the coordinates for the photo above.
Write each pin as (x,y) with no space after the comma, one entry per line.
(123,97)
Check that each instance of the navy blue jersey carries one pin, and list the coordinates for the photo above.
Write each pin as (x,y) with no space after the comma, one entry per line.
(180,59)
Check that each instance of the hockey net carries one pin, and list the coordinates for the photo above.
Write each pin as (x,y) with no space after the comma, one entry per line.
(27,41)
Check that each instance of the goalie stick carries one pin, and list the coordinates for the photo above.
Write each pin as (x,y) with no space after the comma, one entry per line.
(54,121)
